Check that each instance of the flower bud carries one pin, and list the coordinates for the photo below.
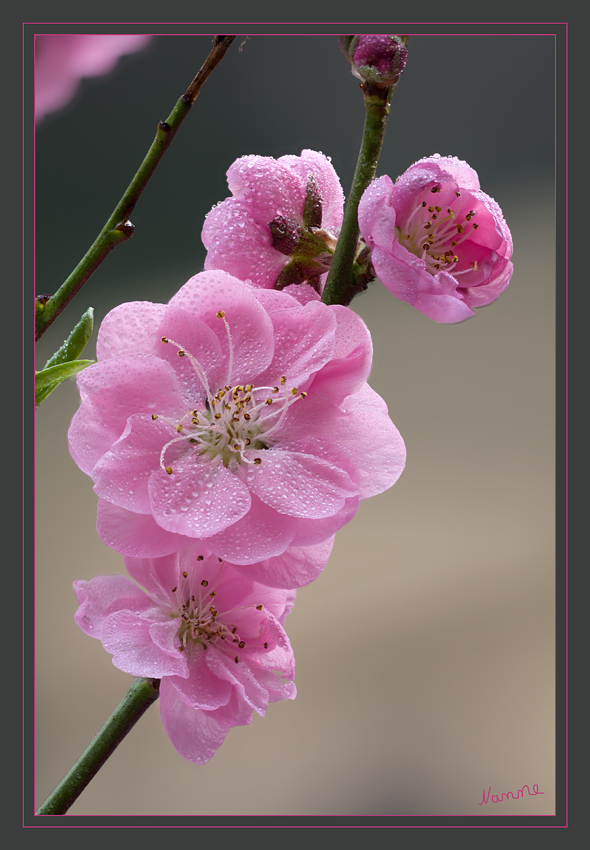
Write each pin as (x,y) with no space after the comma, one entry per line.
(376,59)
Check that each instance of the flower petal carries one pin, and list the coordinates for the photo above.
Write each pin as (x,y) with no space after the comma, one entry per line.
(199,498)
(102,596)
(127,636)
(135,535)
(301,485)
(196,734)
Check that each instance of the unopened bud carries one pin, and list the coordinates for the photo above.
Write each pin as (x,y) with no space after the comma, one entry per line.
(376,59)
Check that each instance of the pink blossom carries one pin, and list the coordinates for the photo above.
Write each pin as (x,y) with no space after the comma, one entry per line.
(62,60)
(214,638)
(233,415)
(437,241)
(281,225)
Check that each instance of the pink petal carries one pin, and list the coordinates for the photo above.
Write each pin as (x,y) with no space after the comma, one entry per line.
(113,391)
(301,485)
(351,360)
(203,364)
(239,245)
(381,454)
(199,499)
(296,567)
(101,597)
(129,329)
(262,533)
(208,293)
(376,215)
(312,531)
(303,342)
(268,186)
(240,676)
(327,182)
(202,688)
(135,535)
(196,734)
(122,475)
(127,636)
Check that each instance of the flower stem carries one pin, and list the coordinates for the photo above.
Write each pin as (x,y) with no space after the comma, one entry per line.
(341,285)
(134,704)
(118,228)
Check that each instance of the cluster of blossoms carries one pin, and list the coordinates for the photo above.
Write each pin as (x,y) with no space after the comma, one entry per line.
(231,429)
(231,432)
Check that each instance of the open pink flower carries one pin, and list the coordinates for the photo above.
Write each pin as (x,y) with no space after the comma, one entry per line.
(233,415)
(214,638)
(62,60)
(437,241)
(281,225)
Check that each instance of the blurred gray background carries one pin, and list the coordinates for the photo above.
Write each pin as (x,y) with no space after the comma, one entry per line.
(425,651)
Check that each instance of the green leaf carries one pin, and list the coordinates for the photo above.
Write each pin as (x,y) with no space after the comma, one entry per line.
(48,379)
(75,343)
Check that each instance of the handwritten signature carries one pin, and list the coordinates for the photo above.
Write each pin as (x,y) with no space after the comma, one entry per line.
(508,795)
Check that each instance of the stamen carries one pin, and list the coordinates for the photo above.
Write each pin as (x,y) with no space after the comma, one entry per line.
(230,367)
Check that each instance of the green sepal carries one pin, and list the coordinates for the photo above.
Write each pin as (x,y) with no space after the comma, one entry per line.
(48,379)
(76,342)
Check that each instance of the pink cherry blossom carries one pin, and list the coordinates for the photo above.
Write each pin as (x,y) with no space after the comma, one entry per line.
(214,638)
(233,415)
(62,60)
(281,225)
(437,241)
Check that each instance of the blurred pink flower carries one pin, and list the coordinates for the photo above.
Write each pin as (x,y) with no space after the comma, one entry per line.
(214,638)
(233,415)
(62,60)
(281,223)
(437,241)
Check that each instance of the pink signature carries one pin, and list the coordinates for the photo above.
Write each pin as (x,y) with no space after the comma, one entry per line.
(508,795)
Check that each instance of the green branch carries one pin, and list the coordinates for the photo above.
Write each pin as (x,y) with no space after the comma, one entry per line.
(118,228)
(342,284)
(134,704)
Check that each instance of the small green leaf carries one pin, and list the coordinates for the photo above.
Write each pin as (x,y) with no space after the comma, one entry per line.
(48,379)
(75,343)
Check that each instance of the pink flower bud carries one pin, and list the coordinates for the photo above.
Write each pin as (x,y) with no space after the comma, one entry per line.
(376,59)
